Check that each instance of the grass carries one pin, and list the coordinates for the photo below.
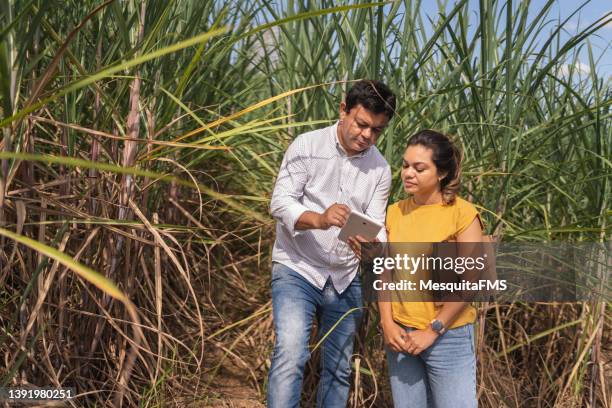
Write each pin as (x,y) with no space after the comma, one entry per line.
(139,147)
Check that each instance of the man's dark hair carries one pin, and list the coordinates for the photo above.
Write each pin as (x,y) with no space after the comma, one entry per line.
(373,95)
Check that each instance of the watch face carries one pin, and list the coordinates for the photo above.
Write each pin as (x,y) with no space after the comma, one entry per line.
(436,325)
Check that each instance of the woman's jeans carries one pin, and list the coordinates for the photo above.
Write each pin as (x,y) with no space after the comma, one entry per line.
(442,376)
(295,303)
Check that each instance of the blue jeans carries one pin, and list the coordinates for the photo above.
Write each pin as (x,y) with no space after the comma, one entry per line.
(295,303)
(442,376)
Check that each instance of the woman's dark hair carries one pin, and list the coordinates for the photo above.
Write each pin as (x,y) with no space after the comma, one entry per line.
(373,95)
(446,156)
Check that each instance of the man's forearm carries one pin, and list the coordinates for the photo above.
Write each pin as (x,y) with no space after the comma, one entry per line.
(336,214)
(308,220)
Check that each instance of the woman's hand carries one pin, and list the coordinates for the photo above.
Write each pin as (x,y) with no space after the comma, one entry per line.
(419,340)
(394,336)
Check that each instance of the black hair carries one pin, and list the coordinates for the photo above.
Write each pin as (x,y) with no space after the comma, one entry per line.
(446,156)
(373,95)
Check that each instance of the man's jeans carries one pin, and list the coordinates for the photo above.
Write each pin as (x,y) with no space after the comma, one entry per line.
(295,303)
(442,376)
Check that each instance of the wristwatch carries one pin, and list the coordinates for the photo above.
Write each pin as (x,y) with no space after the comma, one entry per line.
(437,326)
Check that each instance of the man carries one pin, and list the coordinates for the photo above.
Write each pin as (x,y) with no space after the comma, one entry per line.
(325,174)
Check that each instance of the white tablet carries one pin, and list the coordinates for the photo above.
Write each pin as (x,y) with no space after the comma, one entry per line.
(359,224)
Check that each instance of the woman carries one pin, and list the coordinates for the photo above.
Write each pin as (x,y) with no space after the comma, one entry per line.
(430,346)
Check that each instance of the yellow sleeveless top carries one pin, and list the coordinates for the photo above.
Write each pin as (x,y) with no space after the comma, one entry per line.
(409,222)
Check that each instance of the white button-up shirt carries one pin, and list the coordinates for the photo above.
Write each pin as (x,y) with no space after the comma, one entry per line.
(315,174)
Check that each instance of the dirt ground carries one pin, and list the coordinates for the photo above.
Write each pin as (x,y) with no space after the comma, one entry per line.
(233,388)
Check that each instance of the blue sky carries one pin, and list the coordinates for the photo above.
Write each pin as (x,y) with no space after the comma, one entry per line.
(561,9)
(590,12)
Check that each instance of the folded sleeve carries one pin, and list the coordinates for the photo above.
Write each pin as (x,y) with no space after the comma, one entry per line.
(467,213)
(286,205)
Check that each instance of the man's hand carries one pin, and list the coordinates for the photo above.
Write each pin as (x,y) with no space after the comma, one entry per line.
(419,340)
(394,336)
(355,244)
(336,214)
(375,250)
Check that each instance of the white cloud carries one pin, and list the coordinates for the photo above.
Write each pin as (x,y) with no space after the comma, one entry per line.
(582,67)
(579,68)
